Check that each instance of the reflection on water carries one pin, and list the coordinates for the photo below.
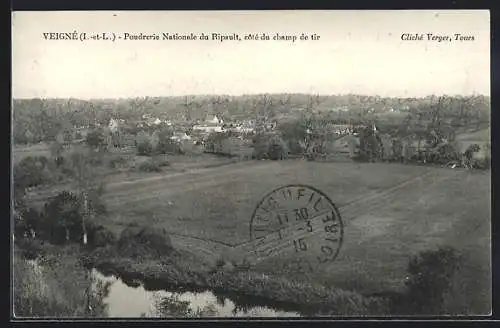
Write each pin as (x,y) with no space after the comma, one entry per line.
(125,301)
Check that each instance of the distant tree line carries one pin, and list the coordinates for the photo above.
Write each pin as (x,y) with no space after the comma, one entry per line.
(37,120)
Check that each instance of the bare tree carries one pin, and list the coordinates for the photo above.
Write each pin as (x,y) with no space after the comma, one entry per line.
(85,183)
(264,110)
(316,135)
(219,105)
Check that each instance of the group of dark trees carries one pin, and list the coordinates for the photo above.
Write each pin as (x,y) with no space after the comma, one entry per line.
(71,212)
(157,143)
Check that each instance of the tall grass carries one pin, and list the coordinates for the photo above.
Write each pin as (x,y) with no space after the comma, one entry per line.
(56,287)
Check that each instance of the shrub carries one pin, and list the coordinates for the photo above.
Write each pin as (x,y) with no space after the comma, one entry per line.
(165,144)
(116,161)
(144,148)
(31,172)
(99,236)
(430,277)
(161,161)
(61,289)
(276,151)
(95,201)
(169,147)
(361,157)
(95,139)
(485,162)
(56,151)
(146,241)
(292,132)
(269,145)
(259,145)
(149,166)
(444,153)
(26,220)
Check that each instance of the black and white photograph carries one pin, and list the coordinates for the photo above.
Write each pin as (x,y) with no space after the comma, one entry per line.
(250,164)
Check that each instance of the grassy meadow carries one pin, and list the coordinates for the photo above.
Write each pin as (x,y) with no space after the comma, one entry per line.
(390,212)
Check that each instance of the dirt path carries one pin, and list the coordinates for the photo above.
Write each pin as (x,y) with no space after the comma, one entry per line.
(141,190)
(115,189)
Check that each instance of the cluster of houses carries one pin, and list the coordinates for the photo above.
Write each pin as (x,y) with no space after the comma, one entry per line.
(116,133)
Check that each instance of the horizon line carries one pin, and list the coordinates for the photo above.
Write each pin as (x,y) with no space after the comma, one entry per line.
(252,94)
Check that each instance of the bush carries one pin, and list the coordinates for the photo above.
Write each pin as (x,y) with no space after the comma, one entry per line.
(443,154)
(144,148)
(430,277)
(149,166)
(117,161)
(56,151)
(95,201)
(95,139)
(292,132)
(165,144)
(260,146)
(31,172)
(361,157)
(483,163)
(99,236)
(26,220)
(169,147)
(148,241)
(269,145)
(277,149)
(161,161)
(60,289)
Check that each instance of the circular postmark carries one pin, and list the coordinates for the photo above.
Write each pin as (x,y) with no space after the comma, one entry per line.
(300,224)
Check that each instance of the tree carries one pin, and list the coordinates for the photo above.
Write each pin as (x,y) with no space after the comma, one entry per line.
(62,214)
(144,147)
(165,143)
(85,183)
(30,172)
(293,132)
(190,107)
(430,277)
(56,151)
(96,139)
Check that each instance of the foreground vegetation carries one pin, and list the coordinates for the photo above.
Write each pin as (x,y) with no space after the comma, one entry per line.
(61,286)
(393,260)
(124,246)
(56,286)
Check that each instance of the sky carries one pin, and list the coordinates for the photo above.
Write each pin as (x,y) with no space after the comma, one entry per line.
(358,52)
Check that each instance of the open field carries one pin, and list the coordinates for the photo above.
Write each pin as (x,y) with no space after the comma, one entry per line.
(390,212)
(480,137)
(19,152)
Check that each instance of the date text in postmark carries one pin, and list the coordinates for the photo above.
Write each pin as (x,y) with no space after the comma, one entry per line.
(298,220)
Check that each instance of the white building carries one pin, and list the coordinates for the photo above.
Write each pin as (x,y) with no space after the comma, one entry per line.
(215,120)
(208,128)
(180,137)
(113,125)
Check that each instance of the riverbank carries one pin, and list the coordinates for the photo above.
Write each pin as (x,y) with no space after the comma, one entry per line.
(182,272)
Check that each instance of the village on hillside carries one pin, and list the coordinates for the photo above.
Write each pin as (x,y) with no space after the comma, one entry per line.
(320,136)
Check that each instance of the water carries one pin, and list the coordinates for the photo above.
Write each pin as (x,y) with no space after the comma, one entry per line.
(125,301)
